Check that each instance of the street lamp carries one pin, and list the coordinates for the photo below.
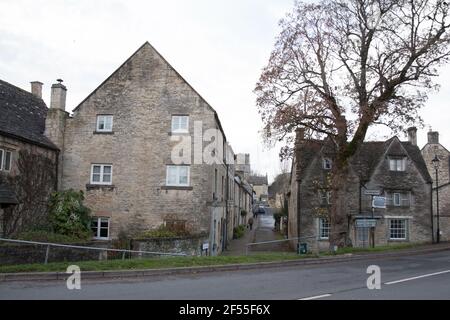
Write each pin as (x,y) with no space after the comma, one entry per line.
(435,162)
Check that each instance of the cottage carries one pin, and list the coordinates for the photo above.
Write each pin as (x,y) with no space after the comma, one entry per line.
(28,159)
(392,169)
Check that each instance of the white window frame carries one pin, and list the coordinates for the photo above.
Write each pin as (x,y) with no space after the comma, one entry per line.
(102,167)
(324,228)
(104,116)
(176,119)
(327,163)
(99,227)
(398,229)
(325,197)
(4,152)
(177,183)
(397,164)
(395,203)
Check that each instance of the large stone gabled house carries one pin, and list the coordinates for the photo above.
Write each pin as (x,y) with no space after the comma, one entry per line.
(28,159)
(148,151)
(393,169)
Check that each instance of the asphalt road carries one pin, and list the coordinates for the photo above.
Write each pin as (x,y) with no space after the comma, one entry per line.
(331,281)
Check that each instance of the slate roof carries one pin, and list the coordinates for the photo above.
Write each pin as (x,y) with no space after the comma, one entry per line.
(368,157)
(7,195)
(257,180)
(22,115)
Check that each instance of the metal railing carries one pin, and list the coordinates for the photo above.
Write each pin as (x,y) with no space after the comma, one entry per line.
(123,251)
(288,239)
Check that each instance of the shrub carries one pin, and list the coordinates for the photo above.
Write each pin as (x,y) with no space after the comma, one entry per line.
(67,215)
(163,232)
(45,236)
(238,231)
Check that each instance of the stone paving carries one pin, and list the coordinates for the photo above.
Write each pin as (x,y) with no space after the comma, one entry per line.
(262,231)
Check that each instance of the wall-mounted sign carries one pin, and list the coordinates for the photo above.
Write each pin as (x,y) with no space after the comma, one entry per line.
(372,192)
(365,223)
(379,202)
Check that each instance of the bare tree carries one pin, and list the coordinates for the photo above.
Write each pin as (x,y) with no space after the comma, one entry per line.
(32,185)
(341,66)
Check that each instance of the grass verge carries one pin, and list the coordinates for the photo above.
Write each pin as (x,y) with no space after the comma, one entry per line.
(152,263)
(174,262)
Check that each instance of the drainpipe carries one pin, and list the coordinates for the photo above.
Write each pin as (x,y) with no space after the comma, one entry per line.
(431,212)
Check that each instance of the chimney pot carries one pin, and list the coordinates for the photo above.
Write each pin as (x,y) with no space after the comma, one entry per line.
(58,96)
(36,88)
(433,137)
(412,135)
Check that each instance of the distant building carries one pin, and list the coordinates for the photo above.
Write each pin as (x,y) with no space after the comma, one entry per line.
(242,165)
(260,186)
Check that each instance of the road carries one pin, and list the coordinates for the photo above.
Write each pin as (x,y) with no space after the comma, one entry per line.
(425,276)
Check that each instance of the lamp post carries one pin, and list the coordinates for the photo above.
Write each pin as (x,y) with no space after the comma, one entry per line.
(435,162)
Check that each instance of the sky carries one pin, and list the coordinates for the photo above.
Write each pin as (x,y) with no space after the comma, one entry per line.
(219,47)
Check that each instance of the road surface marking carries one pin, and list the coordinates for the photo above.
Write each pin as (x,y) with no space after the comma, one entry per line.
(316,297)
(418,277)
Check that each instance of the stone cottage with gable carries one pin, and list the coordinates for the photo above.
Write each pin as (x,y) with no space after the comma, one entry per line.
(432,149)
(140,147)
(394,169)
(28,159)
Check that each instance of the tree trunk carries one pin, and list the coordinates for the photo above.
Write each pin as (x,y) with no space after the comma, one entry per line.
(339,198)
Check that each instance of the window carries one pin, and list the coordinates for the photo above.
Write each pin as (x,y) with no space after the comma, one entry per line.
(324,197)
(398,199)
(327,163)
(101,174)
(397,164)
(180,124)
(324,228)
(397,229)
(100,228)
(177,176)
(104,123)
(5,160)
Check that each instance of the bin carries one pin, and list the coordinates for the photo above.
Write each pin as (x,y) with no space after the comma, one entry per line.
(302,248)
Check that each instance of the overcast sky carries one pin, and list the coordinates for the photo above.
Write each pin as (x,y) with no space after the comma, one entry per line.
(218,46)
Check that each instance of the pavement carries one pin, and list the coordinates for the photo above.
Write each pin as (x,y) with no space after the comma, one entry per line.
(419,276)
(263,230)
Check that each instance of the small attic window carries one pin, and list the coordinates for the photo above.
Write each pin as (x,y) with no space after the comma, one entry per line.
(104,123)
(327,163)
(397,163)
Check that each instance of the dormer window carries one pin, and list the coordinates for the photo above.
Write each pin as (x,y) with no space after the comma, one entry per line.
(327,163)
(104,123)
(180,124)
(397,163)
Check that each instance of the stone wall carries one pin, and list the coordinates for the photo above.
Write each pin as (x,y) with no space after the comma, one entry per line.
(191,246)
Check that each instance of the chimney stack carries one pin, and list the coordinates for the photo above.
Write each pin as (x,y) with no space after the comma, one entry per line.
(433,137)
(300,134)
(36,88)
(412,135)
(58,97)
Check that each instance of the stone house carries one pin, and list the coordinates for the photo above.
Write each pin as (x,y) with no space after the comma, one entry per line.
(433,149)
(148,151)
(278,191)
(261,187)
(28,159)
(392,169)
